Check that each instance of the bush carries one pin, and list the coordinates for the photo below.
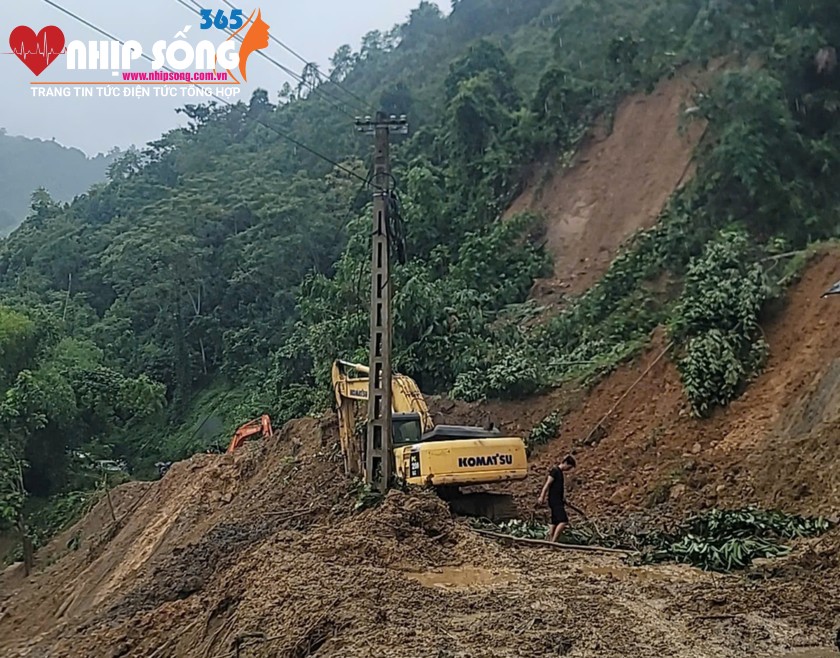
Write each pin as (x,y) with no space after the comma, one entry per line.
(516,375)
(725,290)
(545,431)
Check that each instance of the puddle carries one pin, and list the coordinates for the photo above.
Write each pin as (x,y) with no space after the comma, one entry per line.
(460,578)
(812,652)
(624,573)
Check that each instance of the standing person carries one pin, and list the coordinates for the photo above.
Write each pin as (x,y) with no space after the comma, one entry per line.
(554,492)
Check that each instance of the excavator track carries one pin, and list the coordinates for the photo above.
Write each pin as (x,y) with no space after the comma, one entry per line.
(495,507)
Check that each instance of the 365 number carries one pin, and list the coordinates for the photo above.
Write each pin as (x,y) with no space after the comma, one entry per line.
(220,21)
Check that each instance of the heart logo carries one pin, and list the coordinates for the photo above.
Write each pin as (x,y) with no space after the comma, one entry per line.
(37,51)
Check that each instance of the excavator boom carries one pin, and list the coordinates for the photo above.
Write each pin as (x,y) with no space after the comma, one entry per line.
(406,395)
(260,426)
(446,457)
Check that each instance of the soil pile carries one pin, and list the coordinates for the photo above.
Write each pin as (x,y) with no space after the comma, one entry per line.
(777,446)
(264,554)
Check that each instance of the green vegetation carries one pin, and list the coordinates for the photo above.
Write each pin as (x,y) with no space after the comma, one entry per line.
(717,321)
(221,269)
(717,540)
(61,409)
(30,164)
(546,430)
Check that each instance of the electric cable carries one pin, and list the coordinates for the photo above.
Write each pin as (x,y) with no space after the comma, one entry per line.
(279,133)
(335,103)
(396,226)
(367,106)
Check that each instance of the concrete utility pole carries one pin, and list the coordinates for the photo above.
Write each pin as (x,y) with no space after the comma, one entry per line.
(378,453)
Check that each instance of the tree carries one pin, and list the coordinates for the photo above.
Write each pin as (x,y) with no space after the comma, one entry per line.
(372,43)
(11,495)
(488,59)
(341,63)
(397,100)
(562,105)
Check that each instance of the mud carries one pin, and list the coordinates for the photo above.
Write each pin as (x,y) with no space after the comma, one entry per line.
(460,578)
(281,563)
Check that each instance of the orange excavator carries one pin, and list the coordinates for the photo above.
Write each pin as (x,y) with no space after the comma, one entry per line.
(261,425)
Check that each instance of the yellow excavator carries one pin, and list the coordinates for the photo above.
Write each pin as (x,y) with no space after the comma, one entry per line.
(445,457)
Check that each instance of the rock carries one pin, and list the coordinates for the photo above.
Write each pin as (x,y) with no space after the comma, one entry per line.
(622,495)
(226,498)
(720,488)
(718,599)
(120,650)
(677,491)
(12,569)
(697,448)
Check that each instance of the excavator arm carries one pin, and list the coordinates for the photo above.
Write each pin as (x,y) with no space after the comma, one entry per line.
(406,395)
(261,425)
(346,392)
(350,386)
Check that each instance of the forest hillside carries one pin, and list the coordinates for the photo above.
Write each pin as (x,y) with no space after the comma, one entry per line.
(29,164)
(219,270)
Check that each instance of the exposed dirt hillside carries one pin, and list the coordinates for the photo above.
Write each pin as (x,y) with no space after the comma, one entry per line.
(618,184)
(777,446)
(262,554)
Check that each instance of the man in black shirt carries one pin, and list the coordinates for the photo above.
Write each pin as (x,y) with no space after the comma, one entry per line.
(553,491)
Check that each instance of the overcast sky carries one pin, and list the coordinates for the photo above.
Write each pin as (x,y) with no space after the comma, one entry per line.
(314,28)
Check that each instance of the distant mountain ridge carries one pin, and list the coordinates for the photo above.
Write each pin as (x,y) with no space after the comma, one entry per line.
(27,164)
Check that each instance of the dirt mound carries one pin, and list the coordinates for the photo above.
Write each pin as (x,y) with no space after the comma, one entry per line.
(617,185)
(778,445)
(264,554)
(110,564)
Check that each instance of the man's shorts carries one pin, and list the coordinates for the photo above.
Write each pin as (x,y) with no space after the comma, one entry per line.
(558,514)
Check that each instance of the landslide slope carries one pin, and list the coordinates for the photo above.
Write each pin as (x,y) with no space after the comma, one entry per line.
(778,445)
(262,554)
(617,184)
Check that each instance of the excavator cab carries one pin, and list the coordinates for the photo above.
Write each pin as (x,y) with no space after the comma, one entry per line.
(408,429)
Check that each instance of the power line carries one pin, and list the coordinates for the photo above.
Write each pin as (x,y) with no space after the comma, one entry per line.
(279,133)
(336,103)
(290,50)
(93,27)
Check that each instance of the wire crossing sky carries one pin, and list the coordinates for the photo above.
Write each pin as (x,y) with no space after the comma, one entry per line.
(315,30)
